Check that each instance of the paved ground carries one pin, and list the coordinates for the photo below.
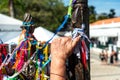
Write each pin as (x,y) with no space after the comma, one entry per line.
(101,71)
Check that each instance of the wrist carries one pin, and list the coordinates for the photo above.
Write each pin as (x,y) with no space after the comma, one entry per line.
(57,68)
(59,56)
(54,76)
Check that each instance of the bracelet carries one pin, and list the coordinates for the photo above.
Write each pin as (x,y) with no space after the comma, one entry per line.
(58,75)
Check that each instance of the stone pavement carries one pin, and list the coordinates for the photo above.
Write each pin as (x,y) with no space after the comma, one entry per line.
(101,71)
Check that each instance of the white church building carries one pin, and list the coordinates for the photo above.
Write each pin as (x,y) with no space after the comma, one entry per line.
(106,32)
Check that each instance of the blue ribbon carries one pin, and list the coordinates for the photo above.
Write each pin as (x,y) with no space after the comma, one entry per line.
(58,29)
(27,23)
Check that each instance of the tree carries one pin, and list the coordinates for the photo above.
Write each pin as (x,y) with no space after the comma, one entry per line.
(92,14)
(11,8)
(46,13)
(4,7)
(102,16)
(112,13)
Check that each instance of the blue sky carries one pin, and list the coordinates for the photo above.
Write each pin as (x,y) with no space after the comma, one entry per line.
(103,5)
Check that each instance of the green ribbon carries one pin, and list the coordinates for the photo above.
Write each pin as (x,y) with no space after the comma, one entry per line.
(70,8)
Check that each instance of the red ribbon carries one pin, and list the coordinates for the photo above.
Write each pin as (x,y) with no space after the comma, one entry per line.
(83,54)
(3,51)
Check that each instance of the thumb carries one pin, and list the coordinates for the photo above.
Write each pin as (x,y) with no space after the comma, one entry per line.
(75,41)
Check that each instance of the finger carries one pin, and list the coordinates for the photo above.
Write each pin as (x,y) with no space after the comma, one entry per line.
(75,41)
(56,39)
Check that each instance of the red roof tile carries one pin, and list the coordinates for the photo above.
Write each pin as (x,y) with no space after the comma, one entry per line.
(106,21)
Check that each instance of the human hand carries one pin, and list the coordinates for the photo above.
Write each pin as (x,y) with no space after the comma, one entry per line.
(63,47)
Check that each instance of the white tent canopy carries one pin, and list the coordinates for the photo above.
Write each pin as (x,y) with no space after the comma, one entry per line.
(40,33)
(5,36)
(9,23)
(43,34)
(14,40)
(9,20)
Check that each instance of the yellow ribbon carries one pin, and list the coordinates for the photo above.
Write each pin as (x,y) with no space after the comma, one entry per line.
(45,51)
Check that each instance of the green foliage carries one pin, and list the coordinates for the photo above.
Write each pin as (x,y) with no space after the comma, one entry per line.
(103,16)
(4,8)
(112,13)
(93,16)
(46,13)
